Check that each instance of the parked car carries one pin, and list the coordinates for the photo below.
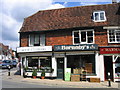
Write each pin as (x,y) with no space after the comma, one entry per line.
(14,63)
(6,63)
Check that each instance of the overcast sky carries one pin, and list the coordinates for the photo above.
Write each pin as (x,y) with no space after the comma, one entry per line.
(13,12)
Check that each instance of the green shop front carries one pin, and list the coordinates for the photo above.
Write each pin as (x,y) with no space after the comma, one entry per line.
(77,58)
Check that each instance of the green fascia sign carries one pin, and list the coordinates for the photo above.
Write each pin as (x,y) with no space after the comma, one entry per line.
(81,47)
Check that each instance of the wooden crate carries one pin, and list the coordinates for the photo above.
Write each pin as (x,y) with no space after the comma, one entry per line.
(77,71)
(95,80)
(88,67)
(75,77)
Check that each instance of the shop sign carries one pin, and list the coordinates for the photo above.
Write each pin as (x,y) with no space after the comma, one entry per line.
(76,47)
(34,49)
(113,50)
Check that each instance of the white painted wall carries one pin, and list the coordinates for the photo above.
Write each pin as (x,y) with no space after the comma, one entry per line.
(54,66)
(101,59)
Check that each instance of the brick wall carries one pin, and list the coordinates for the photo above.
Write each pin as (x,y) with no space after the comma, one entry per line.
(62,37)
(24,40)
(101,37)
(59,38)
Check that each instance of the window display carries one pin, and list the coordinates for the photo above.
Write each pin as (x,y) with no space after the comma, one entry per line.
(86,62)
(39,62)
(117,68)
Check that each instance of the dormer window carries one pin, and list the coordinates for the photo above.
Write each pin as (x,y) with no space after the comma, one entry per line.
(99,16)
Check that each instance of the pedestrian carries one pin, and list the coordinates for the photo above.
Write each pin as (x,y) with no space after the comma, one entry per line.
(19,66)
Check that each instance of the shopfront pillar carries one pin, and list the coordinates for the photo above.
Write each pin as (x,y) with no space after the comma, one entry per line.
(97,64)
(65,62)
(54,66)
(101,59)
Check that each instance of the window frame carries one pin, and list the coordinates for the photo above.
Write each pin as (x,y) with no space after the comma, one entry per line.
(114,34)
(41,37)
(80,36)
(99,16)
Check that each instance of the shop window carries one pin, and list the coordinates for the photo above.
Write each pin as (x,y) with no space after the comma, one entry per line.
(83,37)
(39,62)
(32,61)
(86,62)
(46,62)
(114,36)
(99,16)
(37,40)
(117,67)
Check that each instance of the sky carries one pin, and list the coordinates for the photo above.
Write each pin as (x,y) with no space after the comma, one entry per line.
(13,12)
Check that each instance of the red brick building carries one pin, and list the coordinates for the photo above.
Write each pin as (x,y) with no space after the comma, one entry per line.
(77,37)
(5,52)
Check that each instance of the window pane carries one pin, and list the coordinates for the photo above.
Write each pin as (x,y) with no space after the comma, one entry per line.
(111,36)
(102,16)
(46,62)
(76,34)
(90,39)
(31,40)
(118,35)
(83,36)
(89,33)
(96,16)
(76,37)
(37,40)
(42,40)
(32,61)
(76,40)
(86,62)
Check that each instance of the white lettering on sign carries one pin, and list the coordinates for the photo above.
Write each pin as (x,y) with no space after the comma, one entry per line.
(77,47)
(34,49)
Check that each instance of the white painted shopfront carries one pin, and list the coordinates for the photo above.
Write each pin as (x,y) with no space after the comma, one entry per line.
(65,56)
(37,57)
(110,56)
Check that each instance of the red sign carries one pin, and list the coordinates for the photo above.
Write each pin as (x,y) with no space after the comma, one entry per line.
(113,50)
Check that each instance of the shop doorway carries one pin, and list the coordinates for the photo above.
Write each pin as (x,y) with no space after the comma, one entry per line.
(108,67)
(60,68)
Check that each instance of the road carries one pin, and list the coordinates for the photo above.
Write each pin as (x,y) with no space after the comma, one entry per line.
(9,83)
(17,81)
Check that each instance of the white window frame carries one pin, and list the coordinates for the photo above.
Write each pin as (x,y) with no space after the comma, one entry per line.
(80,36)
(41,40)
(99,16)
(109,35)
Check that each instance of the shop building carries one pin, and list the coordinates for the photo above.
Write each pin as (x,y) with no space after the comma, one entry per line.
(71,38)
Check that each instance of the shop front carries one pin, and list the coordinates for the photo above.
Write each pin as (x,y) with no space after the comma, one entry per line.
(111,57)
(39,58)
(77,57)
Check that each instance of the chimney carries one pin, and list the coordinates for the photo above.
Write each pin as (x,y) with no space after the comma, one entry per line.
(114,1)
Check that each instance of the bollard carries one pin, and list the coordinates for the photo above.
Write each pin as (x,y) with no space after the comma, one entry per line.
(109,83)
(8,70)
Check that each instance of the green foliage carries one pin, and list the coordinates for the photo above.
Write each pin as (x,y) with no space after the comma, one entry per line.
(43,73)
(34,72)
(26,68)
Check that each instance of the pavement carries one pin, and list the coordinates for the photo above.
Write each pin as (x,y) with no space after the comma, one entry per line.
(81,84)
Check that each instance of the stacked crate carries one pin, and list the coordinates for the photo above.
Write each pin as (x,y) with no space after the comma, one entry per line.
(88,67)
(95,80)
(75,77)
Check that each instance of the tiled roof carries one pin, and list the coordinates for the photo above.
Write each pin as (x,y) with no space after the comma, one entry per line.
(71,18)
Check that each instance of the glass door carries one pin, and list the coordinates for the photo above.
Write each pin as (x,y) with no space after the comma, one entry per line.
(60,68)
